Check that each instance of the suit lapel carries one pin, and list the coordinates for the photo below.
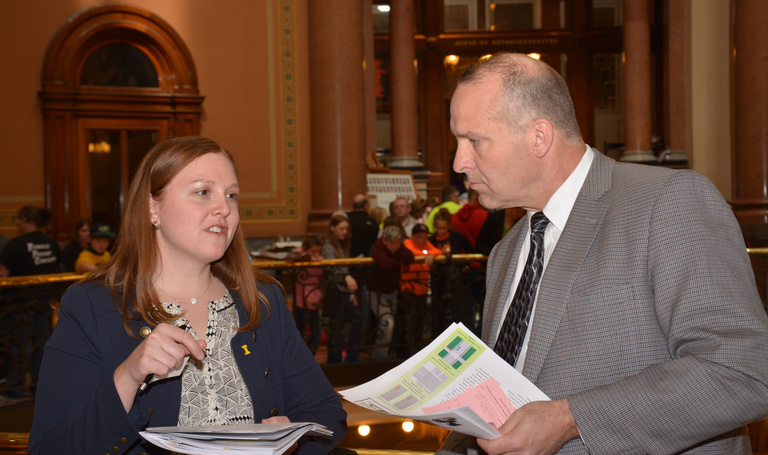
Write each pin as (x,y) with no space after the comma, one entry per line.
(508,252)
(572,248)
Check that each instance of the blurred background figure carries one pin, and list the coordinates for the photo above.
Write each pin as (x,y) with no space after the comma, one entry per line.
(97,252)
(401,209)
(362,228)
(414,285)
(419,210)
(32,252)
(379,214)
(388,255)
(470,218)
(450,202)
(308,297)
(496,225)
(79,242)
(449,240)
(447,306)
(340,300)
(363,231)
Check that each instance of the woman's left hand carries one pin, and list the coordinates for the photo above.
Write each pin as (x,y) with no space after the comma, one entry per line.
(282,419)
(276,419)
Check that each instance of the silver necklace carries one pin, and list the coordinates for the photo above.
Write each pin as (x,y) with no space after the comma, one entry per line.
(193,300)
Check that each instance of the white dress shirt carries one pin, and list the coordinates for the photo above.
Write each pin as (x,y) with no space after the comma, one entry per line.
(557,210)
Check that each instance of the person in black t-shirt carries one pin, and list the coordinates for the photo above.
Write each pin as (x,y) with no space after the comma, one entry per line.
(363,229)
(32,252)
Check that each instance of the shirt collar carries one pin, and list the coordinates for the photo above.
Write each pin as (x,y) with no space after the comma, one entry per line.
(559,206)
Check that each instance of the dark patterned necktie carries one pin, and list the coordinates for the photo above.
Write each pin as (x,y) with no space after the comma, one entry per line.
(512,334)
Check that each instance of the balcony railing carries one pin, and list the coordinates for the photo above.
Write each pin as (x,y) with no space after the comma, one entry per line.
(342,331)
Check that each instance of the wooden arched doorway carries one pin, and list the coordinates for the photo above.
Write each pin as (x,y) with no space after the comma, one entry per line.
(116,80)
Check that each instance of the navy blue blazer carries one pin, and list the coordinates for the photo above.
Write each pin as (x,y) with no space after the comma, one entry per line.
(78,410)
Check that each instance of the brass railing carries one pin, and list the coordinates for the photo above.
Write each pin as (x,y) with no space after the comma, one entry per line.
(341,332)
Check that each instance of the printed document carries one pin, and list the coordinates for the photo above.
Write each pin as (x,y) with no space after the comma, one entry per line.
(259,438)
(457,383)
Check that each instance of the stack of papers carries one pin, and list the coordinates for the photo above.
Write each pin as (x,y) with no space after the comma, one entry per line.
(457,383)
(263,438)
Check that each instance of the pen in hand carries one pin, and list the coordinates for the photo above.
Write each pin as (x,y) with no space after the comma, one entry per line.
(146,382)
(149,377)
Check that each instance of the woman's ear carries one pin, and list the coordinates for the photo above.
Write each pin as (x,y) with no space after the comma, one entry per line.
(153,211)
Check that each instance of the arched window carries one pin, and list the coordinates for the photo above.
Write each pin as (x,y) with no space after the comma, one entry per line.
(116,80)
(119,65)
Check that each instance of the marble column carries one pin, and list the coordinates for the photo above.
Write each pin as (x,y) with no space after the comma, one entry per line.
(337,103)
(403,86)
(677,79)
(750,110)
(638,115)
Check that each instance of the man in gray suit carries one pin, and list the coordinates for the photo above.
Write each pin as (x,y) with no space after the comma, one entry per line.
(647,331)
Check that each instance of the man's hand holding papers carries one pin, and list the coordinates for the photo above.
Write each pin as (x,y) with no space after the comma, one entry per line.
(523,431)
(457,382)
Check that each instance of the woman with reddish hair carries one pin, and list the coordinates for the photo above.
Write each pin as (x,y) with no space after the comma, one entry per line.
(178,328)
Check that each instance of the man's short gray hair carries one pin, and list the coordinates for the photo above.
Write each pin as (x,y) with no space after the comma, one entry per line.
(531,90)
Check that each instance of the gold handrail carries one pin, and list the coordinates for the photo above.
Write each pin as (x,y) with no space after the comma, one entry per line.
(262,264)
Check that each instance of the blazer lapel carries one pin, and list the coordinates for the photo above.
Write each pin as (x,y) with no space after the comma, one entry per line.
(508,251)
(572,248)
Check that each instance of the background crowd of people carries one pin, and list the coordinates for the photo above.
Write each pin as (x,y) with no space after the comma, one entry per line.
(359,305)
(398,303)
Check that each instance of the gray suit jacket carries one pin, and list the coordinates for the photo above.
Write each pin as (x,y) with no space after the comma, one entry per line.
(648,318)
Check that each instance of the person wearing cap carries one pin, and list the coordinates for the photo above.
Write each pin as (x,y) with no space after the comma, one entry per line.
(415,279)
(96,253)
(414,286)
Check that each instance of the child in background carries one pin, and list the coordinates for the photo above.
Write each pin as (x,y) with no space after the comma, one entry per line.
(448,305)
(410,320)
(309,295)
(447,239)
(96,253)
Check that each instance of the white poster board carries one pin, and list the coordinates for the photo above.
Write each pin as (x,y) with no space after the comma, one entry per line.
(385,188)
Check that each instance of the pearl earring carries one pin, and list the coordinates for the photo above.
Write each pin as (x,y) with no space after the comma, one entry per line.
(155,224)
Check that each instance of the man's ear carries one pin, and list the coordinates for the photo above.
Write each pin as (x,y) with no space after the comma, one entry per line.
(544,135)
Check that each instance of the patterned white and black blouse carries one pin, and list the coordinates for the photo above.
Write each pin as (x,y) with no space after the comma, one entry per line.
(213,391)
